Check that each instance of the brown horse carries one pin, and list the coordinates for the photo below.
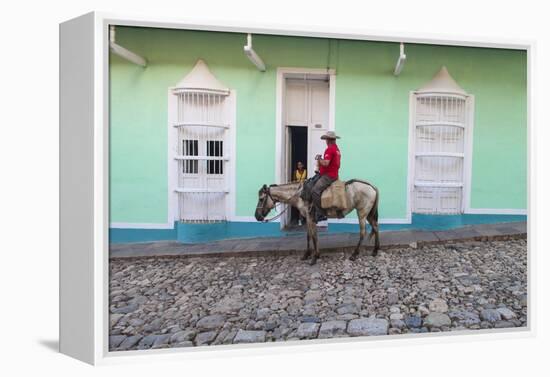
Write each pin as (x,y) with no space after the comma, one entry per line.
(361,196)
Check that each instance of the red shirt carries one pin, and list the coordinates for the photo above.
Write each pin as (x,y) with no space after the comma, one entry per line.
(332,153)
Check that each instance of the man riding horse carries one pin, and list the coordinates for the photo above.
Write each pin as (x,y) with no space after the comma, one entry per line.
(329,164)
(306,197)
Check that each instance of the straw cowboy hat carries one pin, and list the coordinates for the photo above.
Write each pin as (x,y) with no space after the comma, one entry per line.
(330,135)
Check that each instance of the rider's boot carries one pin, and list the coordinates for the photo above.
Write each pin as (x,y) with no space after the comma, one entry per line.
(319,215)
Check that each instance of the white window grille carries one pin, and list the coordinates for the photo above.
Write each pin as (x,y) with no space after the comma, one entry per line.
(202,121)
(190,148)
(214,148)
(440,128)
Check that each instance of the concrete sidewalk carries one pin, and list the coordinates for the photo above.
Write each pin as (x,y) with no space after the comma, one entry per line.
(327,241)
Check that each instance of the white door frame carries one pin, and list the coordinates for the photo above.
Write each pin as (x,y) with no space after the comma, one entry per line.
(468,154)
(280,135)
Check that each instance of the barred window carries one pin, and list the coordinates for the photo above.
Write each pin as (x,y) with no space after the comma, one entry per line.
(440,125)
(190,148)
(214,148)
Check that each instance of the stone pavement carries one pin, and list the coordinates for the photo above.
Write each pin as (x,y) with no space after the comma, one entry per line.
(296,243)
(161,302)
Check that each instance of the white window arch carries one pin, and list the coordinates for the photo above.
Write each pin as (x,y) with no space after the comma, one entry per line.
(441,131)
(202,116)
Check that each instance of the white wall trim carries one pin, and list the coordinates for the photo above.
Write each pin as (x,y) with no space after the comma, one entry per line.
(301,70)
(247,219)
(142,225)
(495,211)
(251,219)
(381,221)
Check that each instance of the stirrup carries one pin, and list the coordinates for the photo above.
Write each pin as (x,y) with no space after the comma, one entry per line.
(319,218)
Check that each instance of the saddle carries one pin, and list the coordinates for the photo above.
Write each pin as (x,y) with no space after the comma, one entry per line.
(334,197)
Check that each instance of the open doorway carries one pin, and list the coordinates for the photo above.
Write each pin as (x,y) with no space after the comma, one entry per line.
(297,136)
(305,111)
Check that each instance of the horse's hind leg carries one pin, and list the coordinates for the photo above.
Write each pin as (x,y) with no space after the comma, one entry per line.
(308,250)
(375,231)
(362,232)
(376,239)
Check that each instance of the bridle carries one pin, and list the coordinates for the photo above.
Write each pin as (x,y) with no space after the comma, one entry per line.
(266,190)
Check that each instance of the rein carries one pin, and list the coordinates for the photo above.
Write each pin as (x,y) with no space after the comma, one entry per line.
(276,216)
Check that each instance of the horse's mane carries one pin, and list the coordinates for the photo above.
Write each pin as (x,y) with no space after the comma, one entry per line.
(284,184)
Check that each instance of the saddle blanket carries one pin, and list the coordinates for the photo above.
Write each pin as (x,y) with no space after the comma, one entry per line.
(334,197)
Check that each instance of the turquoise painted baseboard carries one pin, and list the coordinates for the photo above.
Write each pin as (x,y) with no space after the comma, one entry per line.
(120,235)
(197,233)
(443,222)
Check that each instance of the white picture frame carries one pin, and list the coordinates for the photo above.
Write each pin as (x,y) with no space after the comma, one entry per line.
(84,157)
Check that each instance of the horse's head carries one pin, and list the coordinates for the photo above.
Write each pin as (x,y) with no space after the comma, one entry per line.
(265,203)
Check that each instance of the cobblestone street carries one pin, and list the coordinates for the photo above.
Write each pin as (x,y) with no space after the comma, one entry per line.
(159,302)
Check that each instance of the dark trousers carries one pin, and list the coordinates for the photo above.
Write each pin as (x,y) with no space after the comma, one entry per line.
(322,183)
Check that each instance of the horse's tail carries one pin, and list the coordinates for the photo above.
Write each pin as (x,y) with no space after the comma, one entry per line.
(373,214)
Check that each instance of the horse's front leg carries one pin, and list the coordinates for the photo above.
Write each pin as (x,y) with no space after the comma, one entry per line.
(313,230)
(305,213)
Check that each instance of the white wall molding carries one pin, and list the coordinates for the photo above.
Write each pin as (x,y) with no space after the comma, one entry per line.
(247,219)
(381,221)
(495,211)
(141,225)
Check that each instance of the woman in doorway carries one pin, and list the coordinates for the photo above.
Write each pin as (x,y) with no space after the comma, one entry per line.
(300,175)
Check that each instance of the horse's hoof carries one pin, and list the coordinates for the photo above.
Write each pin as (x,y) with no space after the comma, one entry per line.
(353,257)
(374,253)
(313,261)
(305,257)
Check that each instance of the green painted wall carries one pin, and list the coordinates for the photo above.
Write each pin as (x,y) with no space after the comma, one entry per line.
(371,113)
